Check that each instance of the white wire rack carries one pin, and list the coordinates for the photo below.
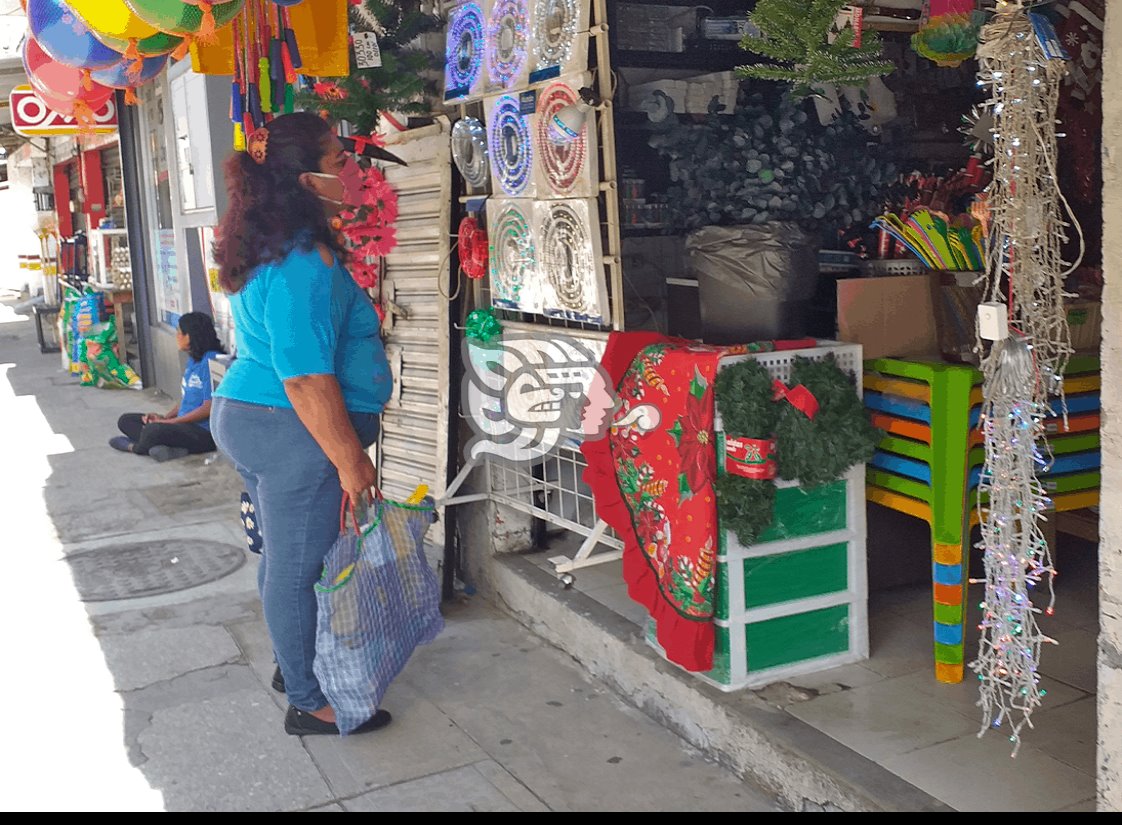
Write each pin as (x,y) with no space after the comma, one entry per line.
(554,491)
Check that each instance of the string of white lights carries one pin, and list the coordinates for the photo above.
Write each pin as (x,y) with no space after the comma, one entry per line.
(1023,372)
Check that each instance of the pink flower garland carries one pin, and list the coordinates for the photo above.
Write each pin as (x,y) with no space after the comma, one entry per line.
(368,231)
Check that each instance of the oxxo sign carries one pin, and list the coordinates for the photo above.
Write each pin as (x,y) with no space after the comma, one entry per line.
(32,117)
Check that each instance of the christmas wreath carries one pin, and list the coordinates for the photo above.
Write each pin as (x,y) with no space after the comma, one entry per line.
(820,449)
(820,430)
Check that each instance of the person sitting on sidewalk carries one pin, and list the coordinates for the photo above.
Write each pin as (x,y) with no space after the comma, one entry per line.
(186,428)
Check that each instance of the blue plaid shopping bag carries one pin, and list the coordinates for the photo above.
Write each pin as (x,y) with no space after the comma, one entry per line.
(377,599)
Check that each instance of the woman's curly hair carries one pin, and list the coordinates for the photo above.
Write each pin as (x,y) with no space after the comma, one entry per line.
(269,211)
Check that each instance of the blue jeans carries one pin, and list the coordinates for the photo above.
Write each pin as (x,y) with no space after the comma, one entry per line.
(296,493)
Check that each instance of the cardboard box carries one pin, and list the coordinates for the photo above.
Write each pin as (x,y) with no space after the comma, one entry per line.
(890,317)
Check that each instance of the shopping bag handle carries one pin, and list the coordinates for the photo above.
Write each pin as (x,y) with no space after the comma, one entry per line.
(348,503)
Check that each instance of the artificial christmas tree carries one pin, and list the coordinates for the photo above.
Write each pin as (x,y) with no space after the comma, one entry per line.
(811,48)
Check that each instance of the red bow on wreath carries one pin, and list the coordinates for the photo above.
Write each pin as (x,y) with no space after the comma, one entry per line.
(798,397)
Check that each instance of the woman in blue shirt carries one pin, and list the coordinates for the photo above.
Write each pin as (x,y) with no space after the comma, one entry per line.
(299,406)
(185,428)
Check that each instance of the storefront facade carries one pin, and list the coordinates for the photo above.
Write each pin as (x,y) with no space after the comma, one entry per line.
(177,142)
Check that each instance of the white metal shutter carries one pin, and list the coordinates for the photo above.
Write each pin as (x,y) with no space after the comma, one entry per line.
(414,440)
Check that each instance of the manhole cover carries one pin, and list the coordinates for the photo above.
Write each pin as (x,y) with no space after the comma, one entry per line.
(131,571)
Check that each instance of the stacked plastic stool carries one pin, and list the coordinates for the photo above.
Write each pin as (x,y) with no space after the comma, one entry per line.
(929,463)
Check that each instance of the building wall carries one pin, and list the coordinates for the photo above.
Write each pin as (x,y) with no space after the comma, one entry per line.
(1110,544)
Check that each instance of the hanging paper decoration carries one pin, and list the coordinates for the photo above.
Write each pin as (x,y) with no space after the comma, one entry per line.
(201,20)
(1021,65)
(948,34)
(397,80)
(559,43)
(463,53)
(267,66)
(64,36)
(569,261)
(510,146)
(512,256)
(469,152)
(508,37)
(319,27)
(472,248)
(563,169)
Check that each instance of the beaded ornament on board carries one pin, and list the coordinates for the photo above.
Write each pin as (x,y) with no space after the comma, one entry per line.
(564,170)
(559,39)
(464,52)
(510,146)
(570,261)
(513,257)
(507,44)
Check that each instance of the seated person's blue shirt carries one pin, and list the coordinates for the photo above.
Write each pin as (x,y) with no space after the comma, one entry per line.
(196,386)
(299,316)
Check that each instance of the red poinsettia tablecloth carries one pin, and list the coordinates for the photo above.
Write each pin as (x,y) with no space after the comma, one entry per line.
(652,478)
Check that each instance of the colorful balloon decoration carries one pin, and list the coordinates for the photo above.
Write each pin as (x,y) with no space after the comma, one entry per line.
(67,90)
(114,20)
(189,19)
(121,76)
(154,46)
(65,38)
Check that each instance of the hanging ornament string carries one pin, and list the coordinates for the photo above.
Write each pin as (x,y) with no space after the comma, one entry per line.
(1025,271)
(1017,556)
(1025,267)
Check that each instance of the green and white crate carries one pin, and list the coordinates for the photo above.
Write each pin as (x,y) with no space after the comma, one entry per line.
(797,601)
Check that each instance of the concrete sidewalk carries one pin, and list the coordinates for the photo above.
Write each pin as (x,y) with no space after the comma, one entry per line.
(163,703)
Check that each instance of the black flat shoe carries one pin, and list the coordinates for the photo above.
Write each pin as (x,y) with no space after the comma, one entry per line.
(299,723)
(278,680)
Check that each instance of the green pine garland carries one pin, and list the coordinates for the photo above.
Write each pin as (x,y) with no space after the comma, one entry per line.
(794,36)
(820,450)
(746,402)
(401,84)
